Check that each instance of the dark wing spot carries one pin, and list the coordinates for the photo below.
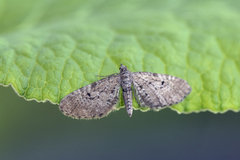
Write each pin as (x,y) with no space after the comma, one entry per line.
(93,85)
(101,114)
(89,94)
(155,74)
(162,82)
(150,83)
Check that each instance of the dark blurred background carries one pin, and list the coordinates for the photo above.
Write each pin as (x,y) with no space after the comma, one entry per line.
(31,130)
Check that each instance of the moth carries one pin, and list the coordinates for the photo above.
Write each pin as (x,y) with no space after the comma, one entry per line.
(100,98)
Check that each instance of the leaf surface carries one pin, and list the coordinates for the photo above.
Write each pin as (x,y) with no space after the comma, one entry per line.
(50,48)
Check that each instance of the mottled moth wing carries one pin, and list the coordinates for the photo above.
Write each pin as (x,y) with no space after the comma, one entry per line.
(159,90)
(94,100)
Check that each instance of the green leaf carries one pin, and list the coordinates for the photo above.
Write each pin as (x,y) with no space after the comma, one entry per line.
(50,48)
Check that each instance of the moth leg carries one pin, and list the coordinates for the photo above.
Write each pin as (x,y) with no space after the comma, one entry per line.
(107,75)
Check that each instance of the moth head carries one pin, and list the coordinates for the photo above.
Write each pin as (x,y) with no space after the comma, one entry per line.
(123,68)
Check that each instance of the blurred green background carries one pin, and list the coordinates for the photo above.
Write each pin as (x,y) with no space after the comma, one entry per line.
(31,130)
